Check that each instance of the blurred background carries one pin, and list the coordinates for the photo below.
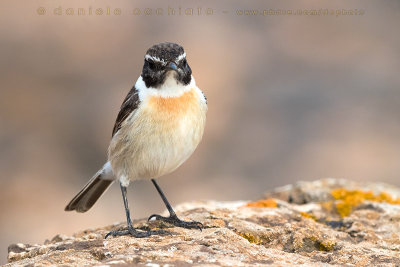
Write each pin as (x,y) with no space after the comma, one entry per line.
(291,97)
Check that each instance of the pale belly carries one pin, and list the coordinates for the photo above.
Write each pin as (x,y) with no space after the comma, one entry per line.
(156,140)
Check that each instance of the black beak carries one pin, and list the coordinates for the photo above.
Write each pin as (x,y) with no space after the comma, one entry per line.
(172,66)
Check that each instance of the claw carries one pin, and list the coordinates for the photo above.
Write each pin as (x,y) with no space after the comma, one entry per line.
(200,226)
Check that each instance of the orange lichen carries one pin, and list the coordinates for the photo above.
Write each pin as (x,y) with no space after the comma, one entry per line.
(308,215)
(348,199)
(263,203)
(327,206)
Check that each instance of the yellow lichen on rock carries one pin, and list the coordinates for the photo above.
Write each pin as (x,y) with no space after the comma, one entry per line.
(251,238)
(263,203)
(326,246)
(308,215)
(348,199)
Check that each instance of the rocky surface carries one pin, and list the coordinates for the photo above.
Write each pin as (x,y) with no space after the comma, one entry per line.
(321,223)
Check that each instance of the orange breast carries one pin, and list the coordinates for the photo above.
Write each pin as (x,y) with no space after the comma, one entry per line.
(175,105)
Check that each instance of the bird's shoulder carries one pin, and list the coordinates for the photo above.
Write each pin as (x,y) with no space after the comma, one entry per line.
(129,105)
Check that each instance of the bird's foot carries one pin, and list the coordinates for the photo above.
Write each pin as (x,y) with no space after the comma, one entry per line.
(174,220)
(135,233)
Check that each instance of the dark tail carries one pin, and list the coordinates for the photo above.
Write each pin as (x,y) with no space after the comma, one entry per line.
(92,191)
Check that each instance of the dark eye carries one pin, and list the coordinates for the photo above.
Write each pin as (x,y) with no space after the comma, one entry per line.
(184,62)
(152,65)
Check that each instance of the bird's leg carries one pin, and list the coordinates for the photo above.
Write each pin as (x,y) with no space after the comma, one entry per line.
(131,230)
(173,219)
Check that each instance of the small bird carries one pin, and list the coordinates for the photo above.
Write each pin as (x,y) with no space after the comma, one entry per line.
(158,127)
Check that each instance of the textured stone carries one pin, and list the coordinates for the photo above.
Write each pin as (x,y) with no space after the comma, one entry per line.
(299,224)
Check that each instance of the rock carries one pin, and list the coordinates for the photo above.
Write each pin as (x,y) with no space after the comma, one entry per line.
(321,223)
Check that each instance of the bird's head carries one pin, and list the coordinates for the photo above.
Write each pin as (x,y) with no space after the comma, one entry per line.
(166,63)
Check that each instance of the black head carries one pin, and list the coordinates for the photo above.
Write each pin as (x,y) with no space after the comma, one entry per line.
(162,59)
